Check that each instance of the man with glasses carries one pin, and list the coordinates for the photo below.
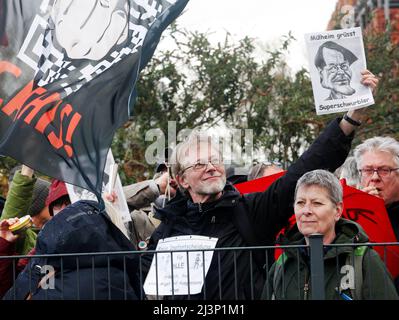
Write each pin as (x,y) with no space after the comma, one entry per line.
(378,161)
(333,63)
(205,205)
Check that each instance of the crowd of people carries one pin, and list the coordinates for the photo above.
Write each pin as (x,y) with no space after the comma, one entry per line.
(194,195)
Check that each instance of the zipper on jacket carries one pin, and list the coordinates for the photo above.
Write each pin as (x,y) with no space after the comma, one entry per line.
(305,291)
(306,288)
(213,220)
(199,207)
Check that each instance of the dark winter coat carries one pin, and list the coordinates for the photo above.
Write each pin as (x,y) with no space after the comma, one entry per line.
(10,267)
(264,213)
(393,214)
(80,228)
(377,283)
(2,202)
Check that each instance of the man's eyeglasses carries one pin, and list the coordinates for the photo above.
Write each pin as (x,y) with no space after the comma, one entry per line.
(334,67)
(203,164)
(382,172)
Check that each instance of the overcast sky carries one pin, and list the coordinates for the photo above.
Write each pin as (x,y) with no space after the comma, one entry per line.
(266,20)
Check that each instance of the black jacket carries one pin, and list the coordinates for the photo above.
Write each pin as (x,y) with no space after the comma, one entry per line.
(2,202)
(267,212)
(80,228)
(393,214)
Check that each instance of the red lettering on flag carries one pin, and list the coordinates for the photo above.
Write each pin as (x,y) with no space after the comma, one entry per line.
(28,103)
(71,129)
(6,66)
(17,102)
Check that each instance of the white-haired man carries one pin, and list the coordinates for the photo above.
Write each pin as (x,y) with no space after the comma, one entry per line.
(377,159)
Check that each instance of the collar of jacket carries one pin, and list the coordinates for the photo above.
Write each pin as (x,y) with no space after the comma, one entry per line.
(393,214)
(347,231)
(181,204)
(393,207)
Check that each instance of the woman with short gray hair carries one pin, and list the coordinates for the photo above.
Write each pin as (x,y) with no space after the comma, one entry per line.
(318,208)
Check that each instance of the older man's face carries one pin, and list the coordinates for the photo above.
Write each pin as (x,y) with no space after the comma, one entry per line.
(336,75)
(204,174)
(386,185)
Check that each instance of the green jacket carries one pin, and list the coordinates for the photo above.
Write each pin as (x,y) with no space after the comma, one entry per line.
(17,204)
(293,279)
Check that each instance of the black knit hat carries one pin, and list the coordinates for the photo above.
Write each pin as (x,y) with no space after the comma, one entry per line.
(40,193)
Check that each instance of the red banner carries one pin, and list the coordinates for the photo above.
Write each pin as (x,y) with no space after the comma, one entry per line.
(258,185)
(369,211)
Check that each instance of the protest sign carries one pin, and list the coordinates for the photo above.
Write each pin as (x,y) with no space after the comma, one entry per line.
(189,267)
(336,59)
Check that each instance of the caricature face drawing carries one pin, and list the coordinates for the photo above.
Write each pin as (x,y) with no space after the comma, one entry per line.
(89,29)
(336,75)
(333,63)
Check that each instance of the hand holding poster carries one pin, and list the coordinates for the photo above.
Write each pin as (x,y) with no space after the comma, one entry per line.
(336,60)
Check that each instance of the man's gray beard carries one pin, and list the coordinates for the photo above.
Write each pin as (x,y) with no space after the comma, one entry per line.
(213,188)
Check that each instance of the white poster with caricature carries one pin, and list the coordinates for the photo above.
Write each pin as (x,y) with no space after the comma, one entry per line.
(111,182)
(336,59)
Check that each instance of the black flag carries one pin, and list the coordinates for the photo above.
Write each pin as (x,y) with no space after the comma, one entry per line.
(68,70)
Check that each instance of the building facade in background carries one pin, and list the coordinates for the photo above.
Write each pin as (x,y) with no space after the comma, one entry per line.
(370,15)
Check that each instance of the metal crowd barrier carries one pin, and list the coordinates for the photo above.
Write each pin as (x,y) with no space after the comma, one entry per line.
(121,262)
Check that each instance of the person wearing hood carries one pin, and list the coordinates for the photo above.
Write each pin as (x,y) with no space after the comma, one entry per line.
(318,207)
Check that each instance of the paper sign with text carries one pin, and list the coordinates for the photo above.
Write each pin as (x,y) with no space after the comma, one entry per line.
(187,265)
(336,60)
